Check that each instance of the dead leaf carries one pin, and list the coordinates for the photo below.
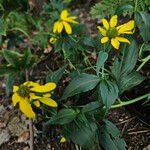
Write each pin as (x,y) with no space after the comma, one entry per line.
(2,125)
(24,136)
(4,136)
(26,148)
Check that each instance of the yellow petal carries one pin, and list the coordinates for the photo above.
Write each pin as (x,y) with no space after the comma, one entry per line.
(55,27)
(122,39)
(71,20)
(33,96)
(48,102)
(15,99)
(127,32)
(15,88)
(102,31)
(26,108)
(105,23)
(52,40)
(30,84)
(63,140)
(67,27)
(115,43)
(113,21)
(126,27)
(60,27)
(104,39)
(64,14)
(47,95)
(44,88)
(36,103)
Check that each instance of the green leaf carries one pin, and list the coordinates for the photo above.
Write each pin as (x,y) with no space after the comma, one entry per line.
(82,83)
(124,8)
(128,60)
(64,116)
(130,80)
(91,107)
(82,132)
(9,82)
(27,59)
(109,137)
(102,57)
(143,23)
(109,92)
(5,69)
(3,27)
(123,67)
(56,75)
(12,57)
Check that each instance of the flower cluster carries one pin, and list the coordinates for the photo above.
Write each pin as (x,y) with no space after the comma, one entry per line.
(64,23)
(30,93)
(113,33)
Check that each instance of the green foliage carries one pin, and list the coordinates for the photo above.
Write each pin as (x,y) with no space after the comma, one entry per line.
(123,68)
(64,116)
(82,83)
(107,8)
(108,91)
(102,57)
(56,75)
(143,23)
(16,64)
(109,137)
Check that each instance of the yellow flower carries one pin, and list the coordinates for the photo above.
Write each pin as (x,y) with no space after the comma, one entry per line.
(52,40)
(64,22)
(113,33)
(62,140)
(32,93)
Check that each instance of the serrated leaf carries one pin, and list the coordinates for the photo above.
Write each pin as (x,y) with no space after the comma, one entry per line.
(56,75)
(82,83)
(102,57)
(64,116)
(12,57)
(109,92)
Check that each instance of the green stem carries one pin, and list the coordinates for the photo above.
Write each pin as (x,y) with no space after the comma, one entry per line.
(135,7)
(145,60)
(130,101)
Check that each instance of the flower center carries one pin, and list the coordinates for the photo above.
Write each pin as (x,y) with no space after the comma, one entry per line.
(112,32)
(23,91)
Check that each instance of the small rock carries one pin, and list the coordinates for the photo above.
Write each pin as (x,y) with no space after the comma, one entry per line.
(4,136)
(26,148)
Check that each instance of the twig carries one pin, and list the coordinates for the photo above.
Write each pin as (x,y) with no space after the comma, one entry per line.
(138,132)
(31,134)
(30,121)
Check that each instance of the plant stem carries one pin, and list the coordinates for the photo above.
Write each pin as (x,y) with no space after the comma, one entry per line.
(30,121)
(131,101)
(145,60)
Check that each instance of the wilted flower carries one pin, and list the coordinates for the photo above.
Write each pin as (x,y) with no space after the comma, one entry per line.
(113,33)
(64,22)
(30,93)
